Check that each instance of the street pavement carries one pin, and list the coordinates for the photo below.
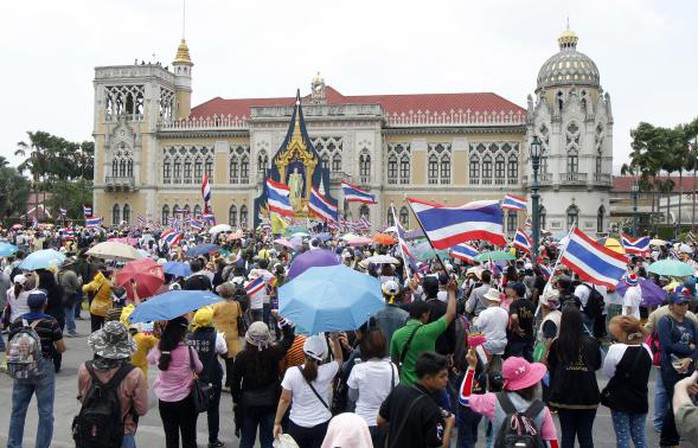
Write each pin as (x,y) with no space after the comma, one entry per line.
(150,433)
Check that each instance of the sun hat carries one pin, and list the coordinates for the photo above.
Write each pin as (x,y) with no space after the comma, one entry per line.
(258,335)
(632,279)
(112,341)
(315,347)
(551,299)
(493,295)
(390,288)
(520,374)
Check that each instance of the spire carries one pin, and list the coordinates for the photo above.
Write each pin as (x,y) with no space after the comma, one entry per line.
(182,53)
(298,98)
(568,39)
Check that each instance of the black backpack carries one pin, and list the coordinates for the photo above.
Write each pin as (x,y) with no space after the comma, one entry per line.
(99,423)
(595,305)
(519,429)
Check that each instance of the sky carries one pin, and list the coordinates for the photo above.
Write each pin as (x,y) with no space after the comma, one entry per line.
(644,49)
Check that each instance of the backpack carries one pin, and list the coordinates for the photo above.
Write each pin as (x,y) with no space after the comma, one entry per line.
(99,423)
(595,304)
(519,429)
(24,352)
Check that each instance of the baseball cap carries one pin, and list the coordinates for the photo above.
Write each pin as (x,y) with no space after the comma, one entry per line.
(315,347)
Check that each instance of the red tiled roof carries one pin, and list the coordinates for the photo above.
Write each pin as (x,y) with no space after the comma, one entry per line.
(436,102)
(624,183)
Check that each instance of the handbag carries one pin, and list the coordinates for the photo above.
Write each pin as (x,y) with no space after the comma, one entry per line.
(607,392)
(266,396)
(200,390)
(242,323)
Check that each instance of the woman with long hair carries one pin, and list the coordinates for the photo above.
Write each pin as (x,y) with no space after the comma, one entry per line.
(17,295)
(308,387)
(173,384)
(573,360)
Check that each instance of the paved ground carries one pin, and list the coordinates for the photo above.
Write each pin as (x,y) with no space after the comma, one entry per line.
(150,432)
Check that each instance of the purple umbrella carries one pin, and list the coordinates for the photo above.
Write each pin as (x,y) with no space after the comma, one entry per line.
(311,258)
(652,295)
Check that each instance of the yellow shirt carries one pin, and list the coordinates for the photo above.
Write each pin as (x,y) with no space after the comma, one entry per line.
(144,343)
(225,319)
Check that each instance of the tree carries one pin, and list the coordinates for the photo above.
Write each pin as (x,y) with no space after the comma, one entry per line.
(71,195)
(14,192)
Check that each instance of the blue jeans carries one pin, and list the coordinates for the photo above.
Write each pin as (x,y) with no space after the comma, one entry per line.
(45,389)
(629,426)
(248,430)
(129,441)
(69,312)
(660,402)
(576,423)
(467,423)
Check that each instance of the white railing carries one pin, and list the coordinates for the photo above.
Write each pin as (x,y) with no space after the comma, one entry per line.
(457,118)
(201,123)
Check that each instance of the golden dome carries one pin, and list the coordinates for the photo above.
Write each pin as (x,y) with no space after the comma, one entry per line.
(182,53)
(568,39)
(318,79)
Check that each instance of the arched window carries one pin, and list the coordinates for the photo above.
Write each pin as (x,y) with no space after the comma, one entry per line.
(474,173)
(129,167)
(186,211)
(262,163)
(599,219)
(572,216)
(198,171)
(513,169)
(512,221)
(116,215)
(122,168)
(165,214)
(364,211)
(166,171)
(445,169)
(487,169)
(391,219)
(433,170)
(233,216)
(187,171)
(337,163)
(115,168)
(243,216)
(499,169)
(365,167)
(245,170)
(176,212)
(392,169)
(177,171)
(197,211)
(405,169)
(404,217)
(325,160)
(572,162)
(126,215)
(208,168)
(234,170)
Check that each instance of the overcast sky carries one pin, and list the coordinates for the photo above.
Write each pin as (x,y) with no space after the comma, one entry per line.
(645,51)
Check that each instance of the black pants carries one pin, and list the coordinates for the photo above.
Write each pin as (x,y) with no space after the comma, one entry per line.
(213,413)
(229,369)
(576,423)
(96,322)
(308,437)
(179,417)
(379,434)
(58,357)
(669,435)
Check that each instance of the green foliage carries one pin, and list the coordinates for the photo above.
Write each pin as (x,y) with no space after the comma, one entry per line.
(70,195)
(14,191)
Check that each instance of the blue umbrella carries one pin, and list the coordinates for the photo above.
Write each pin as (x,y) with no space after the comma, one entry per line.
(172,304)
(42,259)
(177,268)
(203,249)
(330,298)
(7,249)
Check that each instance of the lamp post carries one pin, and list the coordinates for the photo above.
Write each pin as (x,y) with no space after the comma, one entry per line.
(535,148)
(634,190)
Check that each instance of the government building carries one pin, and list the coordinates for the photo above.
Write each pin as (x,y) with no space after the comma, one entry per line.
(152,148)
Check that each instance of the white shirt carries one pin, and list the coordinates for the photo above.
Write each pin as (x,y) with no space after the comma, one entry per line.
(614,355)
(582,292)
(632,300)
(307,410)
(18,305)
(493,321)
(374,381)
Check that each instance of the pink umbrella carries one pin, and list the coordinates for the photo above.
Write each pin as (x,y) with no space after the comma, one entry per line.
(284,242)
(235,235)
(125,240)
(148,275)
(360,241)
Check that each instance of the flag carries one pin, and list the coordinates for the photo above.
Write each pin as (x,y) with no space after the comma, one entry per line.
(512,202)
(278,198)
(353,193)
(86,211)
(321,207)
(522,241)
(171,237)
(691,236)
(208,217)
(447,226)
(93,222)
(196,224)
(364,223)
(593,262)
(255,286)
(635,245)
(277,224)
(206,192)
(407,256)
(63,211)
(141,220)
(464,252)
(528,225)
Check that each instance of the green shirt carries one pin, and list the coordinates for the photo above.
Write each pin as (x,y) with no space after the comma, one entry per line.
(424,341)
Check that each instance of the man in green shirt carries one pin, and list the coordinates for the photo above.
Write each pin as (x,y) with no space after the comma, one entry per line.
(418,336)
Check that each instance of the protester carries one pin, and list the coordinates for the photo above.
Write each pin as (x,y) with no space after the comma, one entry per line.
(493,322)
(226,315)
(686,412)
(100,288)
(392,317)
(348,430)
(71,286)
(17,296)
(521,333)
(477,302)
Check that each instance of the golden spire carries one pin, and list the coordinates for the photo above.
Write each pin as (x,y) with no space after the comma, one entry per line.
(568,39)
(182,53)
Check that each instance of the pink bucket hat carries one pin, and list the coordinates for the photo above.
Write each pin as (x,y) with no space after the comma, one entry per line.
(519,374)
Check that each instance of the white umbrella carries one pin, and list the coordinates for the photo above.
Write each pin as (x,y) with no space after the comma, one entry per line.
(391,229)
(220,228)
(111,250)
(382,259)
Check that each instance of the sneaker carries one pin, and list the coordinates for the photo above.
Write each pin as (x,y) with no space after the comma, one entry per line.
(216,444)
(73,335)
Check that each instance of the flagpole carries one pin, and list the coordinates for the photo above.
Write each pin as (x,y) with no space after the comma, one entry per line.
(443,266)
(559,257)
(405,264)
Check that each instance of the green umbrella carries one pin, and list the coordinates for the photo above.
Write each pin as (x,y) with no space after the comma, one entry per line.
(423,251)
(671,268)
(495,255)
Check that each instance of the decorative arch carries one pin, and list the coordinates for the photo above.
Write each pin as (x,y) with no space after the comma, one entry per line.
(164,214)
(197,210)
(404,217)
(243,216)
(233,216)
(126,214)
(116,215)
(600,216)
(572,216)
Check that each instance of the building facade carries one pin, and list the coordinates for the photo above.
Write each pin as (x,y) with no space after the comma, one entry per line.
(152,147)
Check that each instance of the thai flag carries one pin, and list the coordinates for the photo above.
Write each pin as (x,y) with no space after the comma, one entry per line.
(209,218)
(170,237)
(522,241)
(353,193)
(321,207)
(512,202)
(93,222)
(593,262)
(404,249)
(635,245)
(464,252)
(86,211)
(141,220)
(63,211)
(206,192)
(691,236)
(278,198)
(447,226)
(255,286)
(196,224)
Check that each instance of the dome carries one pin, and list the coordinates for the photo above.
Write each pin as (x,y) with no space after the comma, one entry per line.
(182,53)
(568,66)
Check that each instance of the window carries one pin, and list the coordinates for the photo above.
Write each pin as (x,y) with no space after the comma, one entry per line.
(244,171)
(166,171)
(325,161)
(391,218)
(433,170)
(262,163)
(209,169)
(512,221)
(126,215)
(364,211)
(116,215)
(234,170)
(115,168)
(197,211)
(392,169)
(187,171)
(233,216)
(572,162)
(599,219)
(365,167)
(487,169)
(186,211)
(599,164)
(405,169)
(572,216)
(176,212)
(499,170)
(445,169)
(198,171)
(404,217)
(513,169)
(474,173)
(543,217)
(177,174)
(165,214)
(337,163)
(243,216)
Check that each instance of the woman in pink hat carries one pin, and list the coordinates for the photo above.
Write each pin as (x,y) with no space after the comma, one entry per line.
(521,380)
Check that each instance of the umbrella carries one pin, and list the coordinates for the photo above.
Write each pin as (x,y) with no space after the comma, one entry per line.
(349,236)
(423,251)
(148,275)
(220,228)
(312,258)
(391,229)
(284,242)
(382,259)
(235,235)
(300,235)
(324,236)
(177,268)
(495,255)
(172,304)
(330,298)
(382,238)
(652,294)
(17,227)
(114,251)
(203,249)
(126,240)
(359,241)
(42,259)
(657,242)
(7,249)
(614,245)
(671,268)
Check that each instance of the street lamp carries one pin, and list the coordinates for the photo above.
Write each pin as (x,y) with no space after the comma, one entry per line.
(634,190)
(535,148)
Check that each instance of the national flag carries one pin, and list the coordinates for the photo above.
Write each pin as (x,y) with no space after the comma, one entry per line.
(63,211)
(407,256)
(322,207)
(512,202)
(278,198)
(255,286)
(464,252)
(196,224)
(171,237)
(141,220)
(593,262)
(86,211)
(632,245)
(447,226)
(93,222)
(522,241)
(364,223)
(206,192)
(209,218)
(353,193)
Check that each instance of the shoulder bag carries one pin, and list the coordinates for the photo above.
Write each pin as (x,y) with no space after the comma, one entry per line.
(407,345)
(200,390)
(618,378)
